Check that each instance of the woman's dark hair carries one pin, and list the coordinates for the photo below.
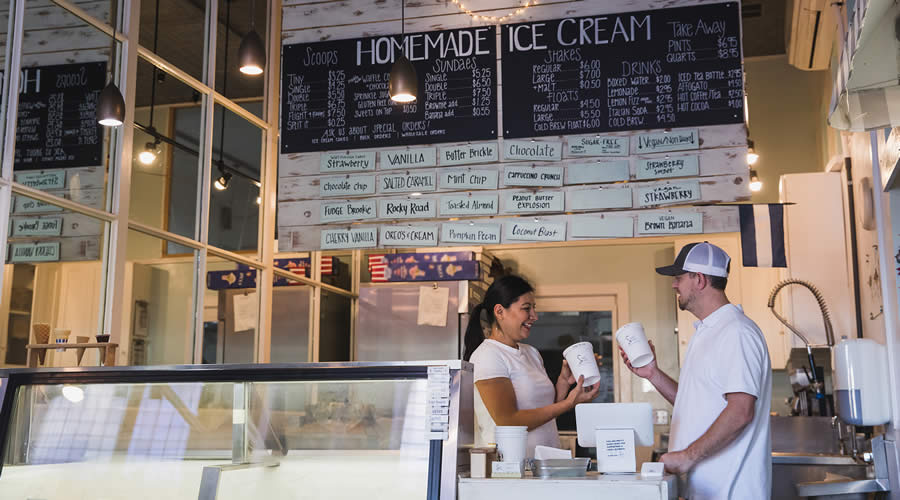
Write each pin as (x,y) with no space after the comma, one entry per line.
(503,291)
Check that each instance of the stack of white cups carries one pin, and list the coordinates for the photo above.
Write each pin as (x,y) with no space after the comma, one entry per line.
(512,443)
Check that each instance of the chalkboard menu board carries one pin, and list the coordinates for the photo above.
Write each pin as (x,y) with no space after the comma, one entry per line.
(678,67)
(334,95)
(57,116)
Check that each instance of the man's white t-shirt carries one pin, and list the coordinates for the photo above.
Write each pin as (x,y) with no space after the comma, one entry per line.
(728,353)
(525,369)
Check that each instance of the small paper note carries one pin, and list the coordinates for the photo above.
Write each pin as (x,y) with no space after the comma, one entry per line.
(433,304)
(245,312)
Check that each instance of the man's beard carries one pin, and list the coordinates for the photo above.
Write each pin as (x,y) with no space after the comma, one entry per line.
(682,302)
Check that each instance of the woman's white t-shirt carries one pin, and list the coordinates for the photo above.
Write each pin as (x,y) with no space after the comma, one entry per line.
(525,369)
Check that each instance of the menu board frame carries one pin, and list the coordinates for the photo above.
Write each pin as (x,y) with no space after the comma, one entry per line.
(50,133)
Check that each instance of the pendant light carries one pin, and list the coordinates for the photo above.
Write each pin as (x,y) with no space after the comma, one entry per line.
(252,52)
(148,155)
(404,83)
(111,104)
(224,178)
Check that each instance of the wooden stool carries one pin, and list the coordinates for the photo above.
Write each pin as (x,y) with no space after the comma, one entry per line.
(107,351)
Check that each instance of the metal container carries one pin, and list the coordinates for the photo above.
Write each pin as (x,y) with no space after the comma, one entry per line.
(561,467)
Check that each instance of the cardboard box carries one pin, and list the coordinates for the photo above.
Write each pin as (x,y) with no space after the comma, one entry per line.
(434,271)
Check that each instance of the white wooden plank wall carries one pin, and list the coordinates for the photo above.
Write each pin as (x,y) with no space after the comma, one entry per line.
(721,155)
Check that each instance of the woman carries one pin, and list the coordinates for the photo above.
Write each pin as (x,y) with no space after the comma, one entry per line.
(512,387)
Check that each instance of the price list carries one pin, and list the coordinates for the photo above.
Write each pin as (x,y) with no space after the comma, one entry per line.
(56,124)
(665,68)
(335,94)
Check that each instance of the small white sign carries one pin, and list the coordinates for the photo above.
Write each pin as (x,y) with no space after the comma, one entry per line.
(469,153)
(676,166)
(533,176)
(468,179)
(346,185)
(364,237)
(409,236)
(670,223)
(599,171)
(470,204)
(246,311)
(347,210)
(45,251)
(408,158)
(478,234)
(532,150)
(433,307)
(534,231)
(527,202)
(25,205)
(407,208)
(348,161)
(409,182)
(676,140)
(33,226)
(600,198)
(669,193)
(601,145)
(43,180)
(587,226)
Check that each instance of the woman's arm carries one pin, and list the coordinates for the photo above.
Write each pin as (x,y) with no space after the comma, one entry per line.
(499,398)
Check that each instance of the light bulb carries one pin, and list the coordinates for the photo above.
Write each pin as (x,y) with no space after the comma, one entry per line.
(259,200)
(752,157)
(755,184)
(148,155)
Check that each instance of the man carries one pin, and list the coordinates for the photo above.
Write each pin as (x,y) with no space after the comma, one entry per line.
(719,435)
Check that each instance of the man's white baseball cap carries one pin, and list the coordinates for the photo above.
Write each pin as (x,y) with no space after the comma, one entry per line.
(703,258)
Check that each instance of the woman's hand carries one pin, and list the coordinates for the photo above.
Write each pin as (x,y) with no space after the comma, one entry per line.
(579,395)
(565,375)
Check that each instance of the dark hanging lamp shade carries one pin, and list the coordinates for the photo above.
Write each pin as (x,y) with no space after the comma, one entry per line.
(111,106)
(404,84)
(252,54)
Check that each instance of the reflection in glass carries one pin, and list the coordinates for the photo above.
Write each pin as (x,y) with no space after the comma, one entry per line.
(164,191)
(121,438)
(240,18)
(334,327)
(53,275)
(161,330)
(179,29)
(230,312)
(234,199)
(60,147)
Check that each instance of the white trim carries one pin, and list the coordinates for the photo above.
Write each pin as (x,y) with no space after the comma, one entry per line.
(116,237)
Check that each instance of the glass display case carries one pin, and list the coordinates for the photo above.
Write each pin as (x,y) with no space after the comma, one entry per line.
(317,430)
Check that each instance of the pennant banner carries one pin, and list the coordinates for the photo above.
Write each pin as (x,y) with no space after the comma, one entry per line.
(762,235)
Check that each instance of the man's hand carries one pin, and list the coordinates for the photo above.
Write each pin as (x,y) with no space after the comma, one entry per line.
(645,371)
(678,462)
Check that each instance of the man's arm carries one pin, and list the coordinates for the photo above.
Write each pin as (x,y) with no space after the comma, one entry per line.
(663,383)
(738,413)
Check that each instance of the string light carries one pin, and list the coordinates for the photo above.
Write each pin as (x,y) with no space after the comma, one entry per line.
(493,19)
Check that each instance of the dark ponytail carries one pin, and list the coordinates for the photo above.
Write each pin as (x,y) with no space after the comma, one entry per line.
(504,291)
